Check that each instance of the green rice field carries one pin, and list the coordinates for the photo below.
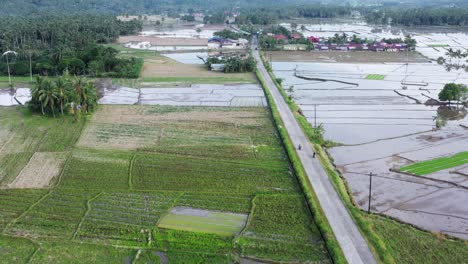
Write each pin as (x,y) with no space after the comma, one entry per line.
(428,167)
(126,171)
(378,77)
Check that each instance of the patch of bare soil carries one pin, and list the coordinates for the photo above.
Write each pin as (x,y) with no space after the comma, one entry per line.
(158,41)
(140,115)
(40,170)
(344,57)
(430,138)
(165,67)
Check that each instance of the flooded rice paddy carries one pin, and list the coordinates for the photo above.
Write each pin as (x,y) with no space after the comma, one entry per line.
(248,95)
(385,124)
(7,97)
(245,95)
(432,42)
(354,109)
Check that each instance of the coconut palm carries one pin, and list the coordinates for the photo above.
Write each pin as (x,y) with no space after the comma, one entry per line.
(36,91)
(61,86)
(48,95)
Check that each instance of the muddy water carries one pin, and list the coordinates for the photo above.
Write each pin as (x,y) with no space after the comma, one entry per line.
(188,57)
(355,109)
(7,97)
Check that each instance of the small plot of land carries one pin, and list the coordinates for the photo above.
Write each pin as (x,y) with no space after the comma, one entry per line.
(41,169)
(197,220)
(241,95)
(14,202)
(161,69)
(57,216)
(119,217)
(375,77)
(427,167)
(19,141)
(343,57)
(290,237)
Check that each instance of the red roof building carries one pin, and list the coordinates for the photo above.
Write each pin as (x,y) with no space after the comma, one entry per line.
(313,39)
(296,36)
(281,37)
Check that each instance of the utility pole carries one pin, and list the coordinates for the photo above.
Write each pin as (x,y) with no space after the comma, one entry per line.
(271,62)
(315,116)
(370,193)
(8,64)
(8,67)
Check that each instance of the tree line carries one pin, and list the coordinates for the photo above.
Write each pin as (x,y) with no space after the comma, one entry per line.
(234,64)
(47,45)
(434,16)
(64,95)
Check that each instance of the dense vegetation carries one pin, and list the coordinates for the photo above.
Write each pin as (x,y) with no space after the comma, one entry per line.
(226,33)
(63,95)
(48,45)
(234,64)
(454,92)
(418,16)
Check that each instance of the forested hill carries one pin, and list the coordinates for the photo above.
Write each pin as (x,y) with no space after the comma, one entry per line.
(21,7)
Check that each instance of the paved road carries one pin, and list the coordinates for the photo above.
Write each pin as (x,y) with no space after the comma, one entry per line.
(350,239)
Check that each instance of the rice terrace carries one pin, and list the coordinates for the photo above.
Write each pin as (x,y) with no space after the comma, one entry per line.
(245,132)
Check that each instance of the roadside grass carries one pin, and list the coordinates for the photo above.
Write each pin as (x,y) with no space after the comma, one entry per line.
(292,237)
(409,245)
(428,167)
(390,240)
(378,77)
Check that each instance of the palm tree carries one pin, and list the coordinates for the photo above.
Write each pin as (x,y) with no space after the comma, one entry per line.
(37,90)
(61,86)
(48,96)
(88,96)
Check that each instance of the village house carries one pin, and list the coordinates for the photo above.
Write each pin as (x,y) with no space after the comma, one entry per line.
(378,47)
(224,43)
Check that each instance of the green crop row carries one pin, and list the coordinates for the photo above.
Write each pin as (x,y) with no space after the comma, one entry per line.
(56,216)
(15,202)
(97,169)
(427,167)
(281,229)
(152,171)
